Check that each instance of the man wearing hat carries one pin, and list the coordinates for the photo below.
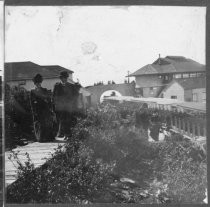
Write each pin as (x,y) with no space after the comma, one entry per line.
(65,95)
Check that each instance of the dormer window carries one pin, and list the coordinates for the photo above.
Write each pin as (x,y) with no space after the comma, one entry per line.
(166,77)
(185,75)
(192,75)
(199,74)
(21,83)
(179,75)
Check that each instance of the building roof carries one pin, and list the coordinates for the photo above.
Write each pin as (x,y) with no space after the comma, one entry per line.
(170,64)
(192,83)
(27,70)
(56,68)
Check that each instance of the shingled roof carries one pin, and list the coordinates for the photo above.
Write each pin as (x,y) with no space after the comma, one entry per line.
(170,64)
(192,83)
(56,68)
(27,70)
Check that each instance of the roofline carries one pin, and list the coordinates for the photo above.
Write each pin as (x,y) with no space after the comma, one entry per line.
(38,65)
(109,84)
(30,78)
(28,61)
(71,71)
(155,86)
(204,71)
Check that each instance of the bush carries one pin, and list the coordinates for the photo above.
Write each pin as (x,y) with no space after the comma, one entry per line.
(105,146)
(70,177)
(181,165)
(18,118)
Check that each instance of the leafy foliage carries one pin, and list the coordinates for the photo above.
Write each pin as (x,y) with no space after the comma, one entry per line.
(18,118)
(107,146)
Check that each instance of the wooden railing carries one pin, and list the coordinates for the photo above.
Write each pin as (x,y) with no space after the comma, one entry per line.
(190,127)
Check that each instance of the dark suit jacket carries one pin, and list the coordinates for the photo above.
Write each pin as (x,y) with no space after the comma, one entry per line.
(41,101)
(66,96)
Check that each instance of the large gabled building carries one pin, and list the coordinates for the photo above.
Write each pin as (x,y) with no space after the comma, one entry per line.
(153,78)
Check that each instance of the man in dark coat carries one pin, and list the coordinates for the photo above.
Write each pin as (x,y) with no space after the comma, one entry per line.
(41,105)
(65,97)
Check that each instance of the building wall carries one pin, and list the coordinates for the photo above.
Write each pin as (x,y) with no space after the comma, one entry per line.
(28,84)
(188,95)
(148,81)
(150,85)
(127,89)
(151,91)
(174,90)
(49,84)
(196,95)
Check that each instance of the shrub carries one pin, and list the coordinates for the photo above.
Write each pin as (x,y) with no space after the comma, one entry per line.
(18,118)
(105,146)
(70,177)
(181,165)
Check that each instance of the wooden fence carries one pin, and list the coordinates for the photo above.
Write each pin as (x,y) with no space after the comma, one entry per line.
(190,127)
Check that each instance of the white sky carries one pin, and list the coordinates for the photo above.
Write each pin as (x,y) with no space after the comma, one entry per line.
(103,42)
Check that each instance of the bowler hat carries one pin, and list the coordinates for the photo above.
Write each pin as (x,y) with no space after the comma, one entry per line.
(64,74)
(37,78)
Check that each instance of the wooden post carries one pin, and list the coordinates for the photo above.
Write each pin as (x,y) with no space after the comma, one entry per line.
(179,124)
(198,129)
(193,128)
(183,124)
(188,128)
(175,120)
(171,120)
(204,130)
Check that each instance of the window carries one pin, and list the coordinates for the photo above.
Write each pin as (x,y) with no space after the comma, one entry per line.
(185,75)
(178,75)
(151,90)
(166,77)
(204,96)
(173,97)
(200,74)
(20,83)
(192,75)
(195,97)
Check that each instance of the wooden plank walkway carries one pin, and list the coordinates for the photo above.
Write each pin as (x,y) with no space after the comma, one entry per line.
(38,153)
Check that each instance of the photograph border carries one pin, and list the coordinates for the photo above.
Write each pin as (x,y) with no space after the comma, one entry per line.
(200,3)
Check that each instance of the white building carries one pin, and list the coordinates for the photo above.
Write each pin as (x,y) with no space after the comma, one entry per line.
(186,89)
(22,73)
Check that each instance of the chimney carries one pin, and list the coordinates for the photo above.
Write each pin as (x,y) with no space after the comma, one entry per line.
(159,60)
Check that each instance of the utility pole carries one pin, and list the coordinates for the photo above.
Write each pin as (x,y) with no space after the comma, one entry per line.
(159,60)
(128,77)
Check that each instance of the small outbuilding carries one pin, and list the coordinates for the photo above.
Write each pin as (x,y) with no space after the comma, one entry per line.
(188,89)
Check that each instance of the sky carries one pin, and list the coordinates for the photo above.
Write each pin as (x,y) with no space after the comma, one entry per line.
(101,43)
